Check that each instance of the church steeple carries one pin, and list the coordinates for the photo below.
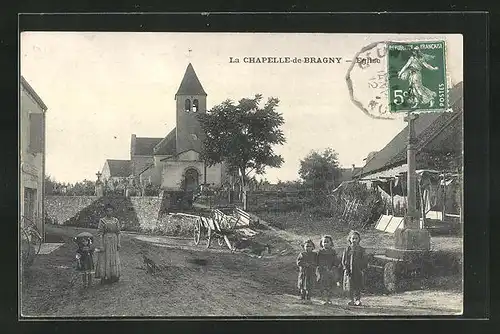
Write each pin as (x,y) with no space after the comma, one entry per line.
(190,84)
(191,100)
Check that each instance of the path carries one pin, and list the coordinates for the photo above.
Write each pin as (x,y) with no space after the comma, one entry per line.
(197,282)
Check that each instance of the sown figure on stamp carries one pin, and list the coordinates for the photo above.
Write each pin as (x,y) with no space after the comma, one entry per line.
(412,72)
(108,264)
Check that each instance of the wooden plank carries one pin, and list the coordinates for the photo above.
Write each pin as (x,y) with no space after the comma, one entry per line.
(393,225)
(384,222)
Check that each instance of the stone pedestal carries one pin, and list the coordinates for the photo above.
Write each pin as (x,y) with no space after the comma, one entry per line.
(412,239)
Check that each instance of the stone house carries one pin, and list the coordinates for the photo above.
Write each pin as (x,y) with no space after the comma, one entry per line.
(32,155)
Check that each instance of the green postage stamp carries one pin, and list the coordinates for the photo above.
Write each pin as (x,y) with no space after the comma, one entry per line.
(417,78)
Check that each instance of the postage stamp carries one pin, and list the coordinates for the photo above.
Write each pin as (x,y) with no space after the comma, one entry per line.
(417,76)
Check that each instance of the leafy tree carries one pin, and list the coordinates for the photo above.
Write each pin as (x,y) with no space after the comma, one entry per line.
(319,170)
(53,187)
(82,188)
(242,136)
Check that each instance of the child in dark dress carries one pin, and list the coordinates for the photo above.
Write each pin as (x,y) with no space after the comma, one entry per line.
(84,258)
(354,262)
(327,273)
(307,262)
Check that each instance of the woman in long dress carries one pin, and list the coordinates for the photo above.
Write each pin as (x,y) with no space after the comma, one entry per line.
(108,266)
(412,72)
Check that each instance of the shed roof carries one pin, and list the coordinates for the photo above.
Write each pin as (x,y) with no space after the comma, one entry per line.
(427,127)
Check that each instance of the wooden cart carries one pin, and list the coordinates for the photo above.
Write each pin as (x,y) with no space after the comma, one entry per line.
(221,224)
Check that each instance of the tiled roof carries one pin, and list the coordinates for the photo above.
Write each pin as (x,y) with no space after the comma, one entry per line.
(119,168)
(190,84)
(167,146)
(427,125)
(348,173)
(144,146)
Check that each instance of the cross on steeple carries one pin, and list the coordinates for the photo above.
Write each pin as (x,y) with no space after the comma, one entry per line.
(189,53)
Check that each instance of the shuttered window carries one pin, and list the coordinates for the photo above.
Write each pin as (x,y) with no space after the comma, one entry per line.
(36,133)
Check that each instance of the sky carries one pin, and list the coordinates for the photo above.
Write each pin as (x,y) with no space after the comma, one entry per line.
(102,87)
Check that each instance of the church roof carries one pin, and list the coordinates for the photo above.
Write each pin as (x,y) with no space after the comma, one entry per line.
(119,168)
(427,126)
(167,146)
(145,145)
(190,84)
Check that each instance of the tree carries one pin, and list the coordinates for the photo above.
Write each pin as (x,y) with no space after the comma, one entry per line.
(242,136)
(53,187)
(319,171)
(82,188)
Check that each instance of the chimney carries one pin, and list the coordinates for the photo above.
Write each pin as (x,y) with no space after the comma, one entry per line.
(132,145)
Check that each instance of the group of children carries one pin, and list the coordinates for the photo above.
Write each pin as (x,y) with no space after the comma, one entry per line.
(325,270)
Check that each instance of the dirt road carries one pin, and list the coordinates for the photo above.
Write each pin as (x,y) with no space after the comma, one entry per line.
(195,281)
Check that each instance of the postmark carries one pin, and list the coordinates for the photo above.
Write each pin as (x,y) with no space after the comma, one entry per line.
(367,79)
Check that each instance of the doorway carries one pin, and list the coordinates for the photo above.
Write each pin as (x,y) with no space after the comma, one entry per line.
(191,178)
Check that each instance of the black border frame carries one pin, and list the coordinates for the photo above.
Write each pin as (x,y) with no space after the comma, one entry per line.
(474,27)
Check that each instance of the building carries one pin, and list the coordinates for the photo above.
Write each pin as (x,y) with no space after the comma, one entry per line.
(438,147)
(115,173)
(347,174)
(173,162)
(32,155)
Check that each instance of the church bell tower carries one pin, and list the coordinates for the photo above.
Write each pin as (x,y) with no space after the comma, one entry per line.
(191,100)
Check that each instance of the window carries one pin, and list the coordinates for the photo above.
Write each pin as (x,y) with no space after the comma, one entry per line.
(187,105)
(36,133)
(195,105)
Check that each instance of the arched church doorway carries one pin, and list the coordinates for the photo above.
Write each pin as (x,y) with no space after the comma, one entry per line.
(191,178)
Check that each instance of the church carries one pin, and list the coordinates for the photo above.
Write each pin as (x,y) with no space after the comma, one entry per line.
(172,162)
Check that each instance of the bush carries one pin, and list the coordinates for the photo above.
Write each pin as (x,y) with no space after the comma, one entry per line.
(356,205)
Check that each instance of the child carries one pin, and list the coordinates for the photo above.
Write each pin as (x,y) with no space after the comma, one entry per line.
(327,271)
(307,262)
(84,257)
(354,263)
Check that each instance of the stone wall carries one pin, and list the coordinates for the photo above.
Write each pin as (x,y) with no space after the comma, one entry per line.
(146,209)
(278,201)
(63,208)
(134,213)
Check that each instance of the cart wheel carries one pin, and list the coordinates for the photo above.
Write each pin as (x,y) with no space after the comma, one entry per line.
(209,237)
(197,232)
(391,276)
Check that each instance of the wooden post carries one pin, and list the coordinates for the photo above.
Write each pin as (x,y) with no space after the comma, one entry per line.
(443,208)
(422,205)
(392,197)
